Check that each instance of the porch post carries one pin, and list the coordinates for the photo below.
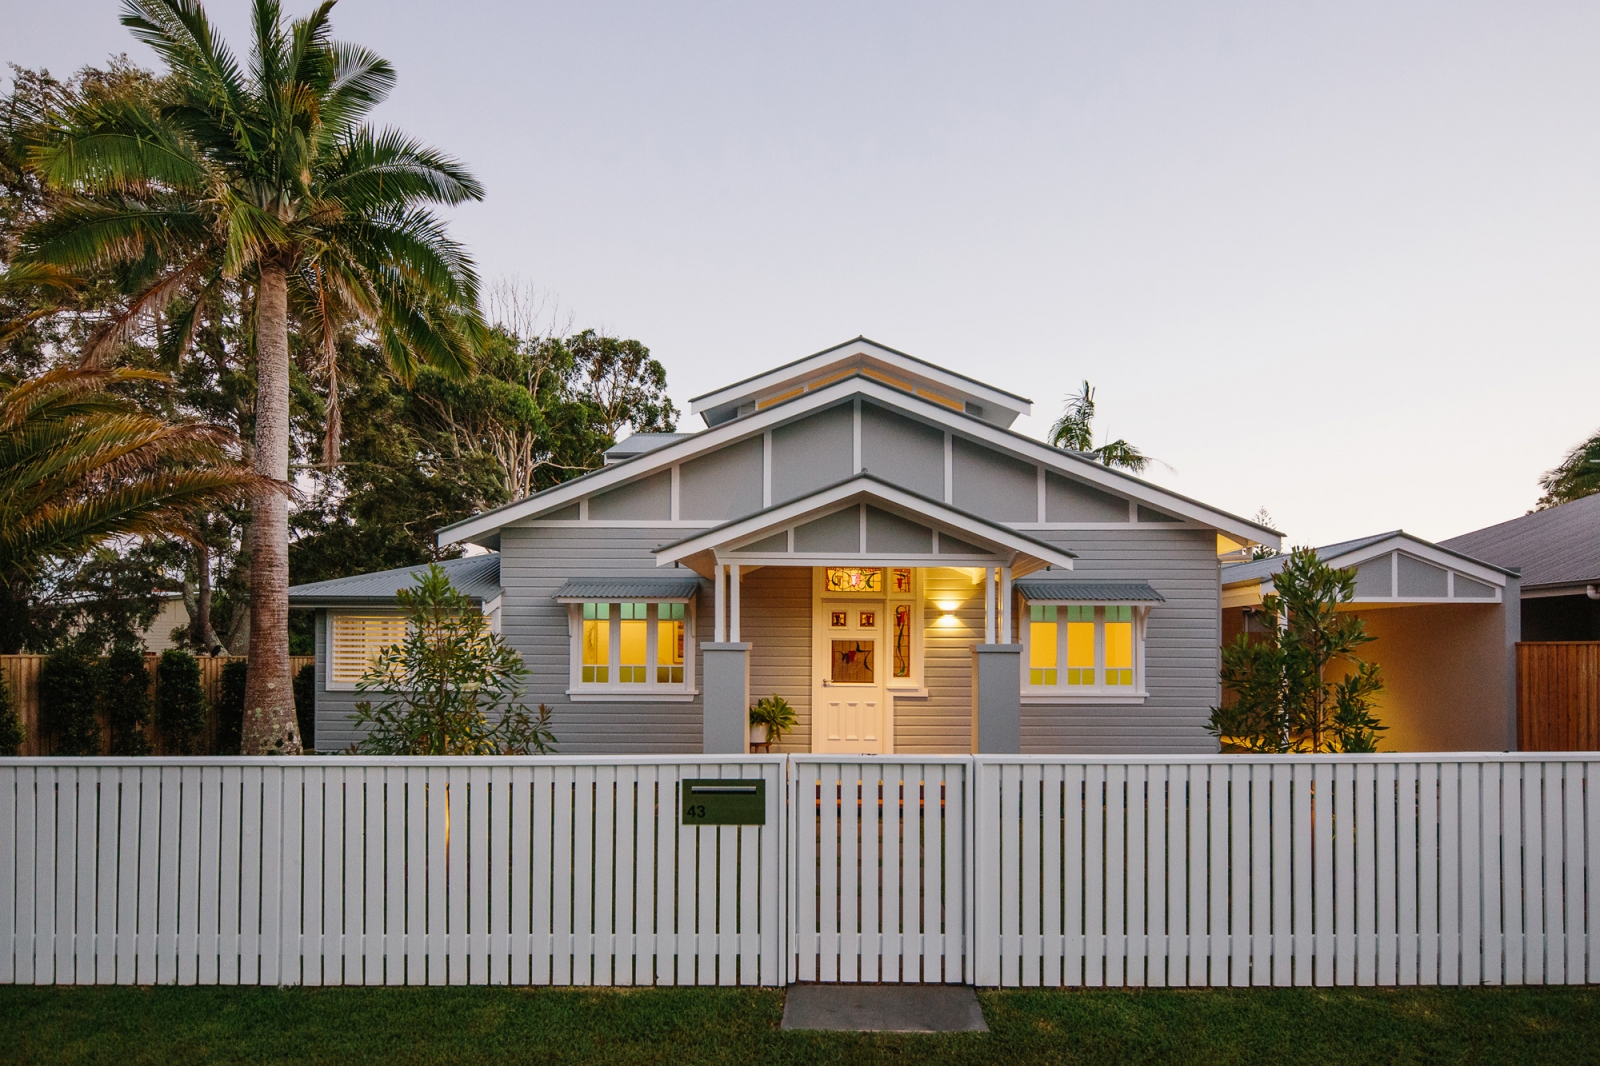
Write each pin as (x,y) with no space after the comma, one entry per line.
(733,603)
(988,605)
(719,607)
(1005,606)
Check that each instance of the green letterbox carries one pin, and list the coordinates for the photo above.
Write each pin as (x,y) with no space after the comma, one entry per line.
(724,801)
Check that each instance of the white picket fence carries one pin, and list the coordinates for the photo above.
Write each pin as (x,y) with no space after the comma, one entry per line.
(994,870)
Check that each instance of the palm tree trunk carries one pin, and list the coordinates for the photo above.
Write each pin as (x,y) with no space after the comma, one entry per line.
(269,720)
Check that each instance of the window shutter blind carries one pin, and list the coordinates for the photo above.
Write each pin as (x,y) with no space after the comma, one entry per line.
(357,640)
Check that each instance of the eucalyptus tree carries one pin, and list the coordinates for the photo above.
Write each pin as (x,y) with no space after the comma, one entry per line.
(267,175)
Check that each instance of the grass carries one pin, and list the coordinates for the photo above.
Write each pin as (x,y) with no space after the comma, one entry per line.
(404,1026)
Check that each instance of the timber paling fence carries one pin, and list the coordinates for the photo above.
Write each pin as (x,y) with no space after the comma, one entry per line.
(989,870)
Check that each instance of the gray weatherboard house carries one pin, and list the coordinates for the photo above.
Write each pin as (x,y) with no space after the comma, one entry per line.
(862,533)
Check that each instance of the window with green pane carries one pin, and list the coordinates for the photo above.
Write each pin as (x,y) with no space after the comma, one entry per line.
(1119,645)
(1080,644)
(633,642)
(669,643)
(596,643)
(1044,651)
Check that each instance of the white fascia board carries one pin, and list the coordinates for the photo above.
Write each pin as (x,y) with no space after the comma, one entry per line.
(899,360)
(1428,553)
(727,433)
(894,500)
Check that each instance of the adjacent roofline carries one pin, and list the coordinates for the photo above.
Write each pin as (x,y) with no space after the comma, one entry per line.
(1366,548)
(843,492)
(1069,463)
(755,383)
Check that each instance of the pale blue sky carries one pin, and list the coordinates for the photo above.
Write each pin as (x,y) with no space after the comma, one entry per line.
(1339,259)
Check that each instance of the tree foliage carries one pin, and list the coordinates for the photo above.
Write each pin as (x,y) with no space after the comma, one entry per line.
(1074,431)
(1576,476)
(1282,697)
(452,688)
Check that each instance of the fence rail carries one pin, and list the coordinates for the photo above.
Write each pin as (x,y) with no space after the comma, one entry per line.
(21,674)
(1558,696)
(994,870)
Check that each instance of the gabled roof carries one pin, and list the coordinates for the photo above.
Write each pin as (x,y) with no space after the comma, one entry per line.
(477,576)
(985,401)
(484,528)
(1553,548)
(1353,552)
(694,549)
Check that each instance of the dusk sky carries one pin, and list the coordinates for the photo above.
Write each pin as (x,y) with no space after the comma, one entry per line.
(1340,260)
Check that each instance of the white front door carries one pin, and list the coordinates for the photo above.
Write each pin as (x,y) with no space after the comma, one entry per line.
(851,704)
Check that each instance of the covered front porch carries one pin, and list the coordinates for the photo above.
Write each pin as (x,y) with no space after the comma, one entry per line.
(883,617)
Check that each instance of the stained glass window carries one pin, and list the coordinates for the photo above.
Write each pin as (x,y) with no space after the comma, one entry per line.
(854,578)
(902,640)
(853,662)
(902,578)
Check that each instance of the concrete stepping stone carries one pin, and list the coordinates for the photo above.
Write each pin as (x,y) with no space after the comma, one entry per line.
(884,1008)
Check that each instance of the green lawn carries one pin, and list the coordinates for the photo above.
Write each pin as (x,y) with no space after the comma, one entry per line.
(123,1026)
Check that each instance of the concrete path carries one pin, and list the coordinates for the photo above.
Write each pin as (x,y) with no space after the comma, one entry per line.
(884,1008)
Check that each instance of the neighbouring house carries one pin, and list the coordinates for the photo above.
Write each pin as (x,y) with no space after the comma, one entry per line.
(1558,552)
(1446,628)
(172,615)
(862,533)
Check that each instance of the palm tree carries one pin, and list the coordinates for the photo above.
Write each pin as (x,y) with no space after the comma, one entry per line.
(79,465)
(1074,431)
(268,177)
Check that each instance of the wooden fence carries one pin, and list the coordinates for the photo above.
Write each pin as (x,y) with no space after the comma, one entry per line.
(989,870)
(1558,696)
(21,673)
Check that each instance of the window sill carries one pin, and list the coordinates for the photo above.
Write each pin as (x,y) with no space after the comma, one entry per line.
(1097,696)
(630,695)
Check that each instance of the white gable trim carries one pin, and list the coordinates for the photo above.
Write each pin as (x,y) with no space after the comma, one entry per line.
(1250,591)
(733,535)
(860,346)
(1065,463)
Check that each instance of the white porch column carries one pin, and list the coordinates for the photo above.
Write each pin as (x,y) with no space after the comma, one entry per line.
(719,604)
(733,603)
(988,605)
(1005,606)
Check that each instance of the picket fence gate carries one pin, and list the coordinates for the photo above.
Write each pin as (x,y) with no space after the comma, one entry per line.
(989,870)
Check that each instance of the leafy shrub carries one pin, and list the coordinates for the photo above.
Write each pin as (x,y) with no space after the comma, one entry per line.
(230,706)
(453,687)
(180,702)
(67,702)
(11,732)
(124,686)
(775,713)
(305,705)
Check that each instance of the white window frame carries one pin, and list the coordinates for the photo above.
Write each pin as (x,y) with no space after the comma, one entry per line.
(651,691)
(332,618)
(1101,693)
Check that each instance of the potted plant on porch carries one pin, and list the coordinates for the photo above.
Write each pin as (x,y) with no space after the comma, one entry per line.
(770,719)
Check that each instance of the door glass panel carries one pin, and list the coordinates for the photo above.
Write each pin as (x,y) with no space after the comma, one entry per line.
(1119,645)
(854,579)
(853,662)
(902,640)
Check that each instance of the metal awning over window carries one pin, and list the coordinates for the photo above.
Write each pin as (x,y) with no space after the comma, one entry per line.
(1047,590)
(653,589)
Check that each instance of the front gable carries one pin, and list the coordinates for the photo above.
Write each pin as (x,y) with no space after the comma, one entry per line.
(857,425)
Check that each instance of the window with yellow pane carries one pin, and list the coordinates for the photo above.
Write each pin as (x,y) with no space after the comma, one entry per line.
(1077,648)
(632,646)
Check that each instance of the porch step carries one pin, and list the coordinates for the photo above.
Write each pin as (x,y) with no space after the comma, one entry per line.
(884,1008)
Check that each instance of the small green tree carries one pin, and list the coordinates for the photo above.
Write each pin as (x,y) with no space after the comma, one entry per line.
(230,707)
(180,701)
(124,686)
(1283,699)
(453,687)
(12,734)
(67,702)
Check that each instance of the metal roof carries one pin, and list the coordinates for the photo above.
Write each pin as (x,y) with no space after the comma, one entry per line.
(477,576)
(1558,546)
(639,443)
(628,588)
(1043,588)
